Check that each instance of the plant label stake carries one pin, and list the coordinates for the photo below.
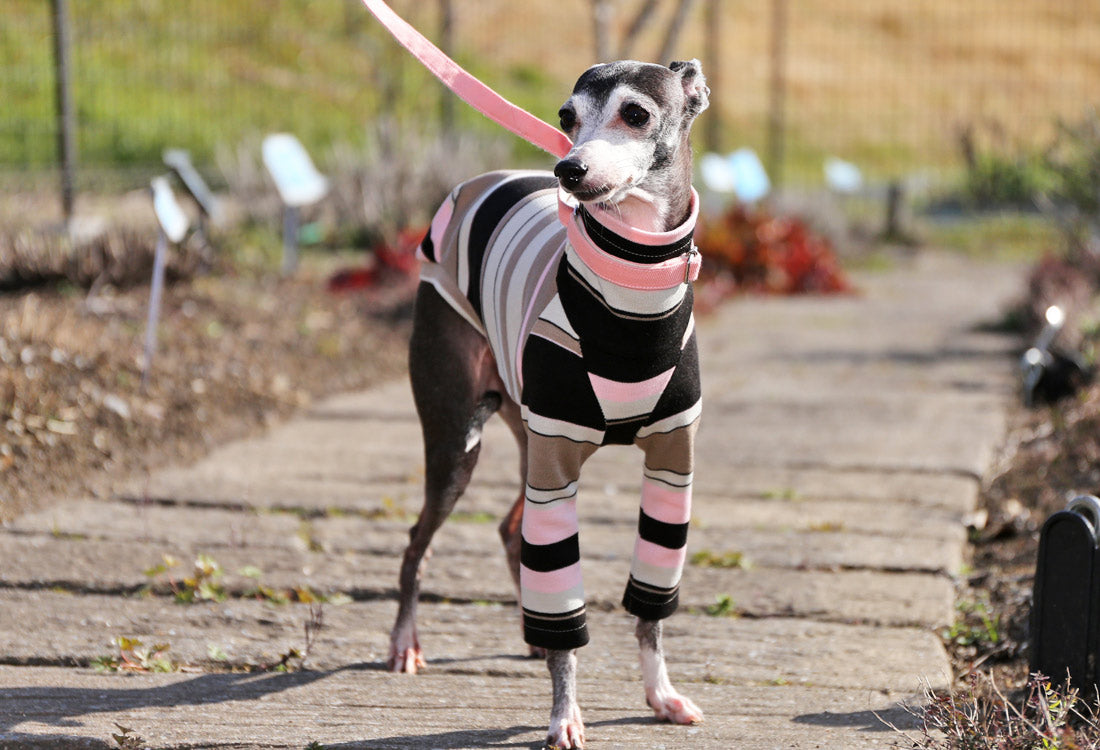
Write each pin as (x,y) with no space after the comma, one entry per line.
(1065,610)
(298,183)
(173,226)
(210,208)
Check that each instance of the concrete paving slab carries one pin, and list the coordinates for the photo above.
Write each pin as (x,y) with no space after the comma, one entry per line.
(842,446)
(368,708)
(88,566)
(67,630)
(776,536)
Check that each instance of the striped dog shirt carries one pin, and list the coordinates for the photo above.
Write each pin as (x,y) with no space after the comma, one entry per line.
(591,360)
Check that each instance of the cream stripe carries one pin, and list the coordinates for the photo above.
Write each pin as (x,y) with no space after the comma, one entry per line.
(641,302)
(670,478)
(565,601)
(558,428)
(467,224)
(655,575)
(567,492)
(676,421)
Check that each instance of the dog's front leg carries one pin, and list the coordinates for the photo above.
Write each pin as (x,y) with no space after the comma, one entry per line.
(653,590)
(566,726)
(665,701)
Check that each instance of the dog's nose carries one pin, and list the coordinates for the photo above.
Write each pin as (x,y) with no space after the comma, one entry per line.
(570,172)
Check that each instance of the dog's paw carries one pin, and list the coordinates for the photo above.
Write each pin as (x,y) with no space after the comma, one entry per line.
(671,706)
(567,732)
(408,660)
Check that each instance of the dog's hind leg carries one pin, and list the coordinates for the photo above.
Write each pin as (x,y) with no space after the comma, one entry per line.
(456,390)
(511,525)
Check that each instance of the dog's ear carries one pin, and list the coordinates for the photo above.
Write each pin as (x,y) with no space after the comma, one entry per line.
(696,92)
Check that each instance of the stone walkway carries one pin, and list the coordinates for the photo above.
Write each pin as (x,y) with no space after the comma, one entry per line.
(842,444)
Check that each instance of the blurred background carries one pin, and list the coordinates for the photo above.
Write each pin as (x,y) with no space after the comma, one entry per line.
(934,92)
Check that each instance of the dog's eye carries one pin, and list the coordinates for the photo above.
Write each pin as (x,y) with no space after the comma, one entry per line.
(634,115)
(568,118)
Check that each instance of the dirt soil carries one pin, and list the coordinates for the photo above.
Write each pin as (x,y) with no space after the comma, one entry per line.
(236,353)
(1052,455)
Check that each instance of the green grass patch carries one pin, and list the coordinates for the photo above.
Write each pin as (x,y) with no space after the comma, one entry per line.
(1005,236)
(709,559)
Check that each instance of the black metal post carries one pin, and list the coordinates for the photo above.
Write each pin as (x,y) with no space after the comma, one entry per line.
(66,125)
(712,133)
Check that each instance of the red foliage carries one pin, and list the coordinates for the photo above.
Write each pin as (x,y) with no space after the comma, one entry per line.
(384,261)
(747,249)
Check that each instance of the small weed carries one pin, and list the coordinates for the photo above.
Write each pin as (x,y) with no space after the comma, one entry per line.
(308,538)
(216,652)
(135,656)
(478,516)
(826,527)
(204,583)
(126,739)
(973,626)
(781,493)
(723,606)
(979,717)
(390,511)
(313,625)
(707,559)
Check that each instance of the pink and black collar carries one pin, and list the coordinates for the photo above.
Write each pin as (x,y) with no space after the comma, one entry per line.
(630,257)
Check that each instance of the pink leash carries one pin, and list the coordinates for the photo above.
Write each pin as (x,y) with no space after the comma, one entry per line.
(469,89)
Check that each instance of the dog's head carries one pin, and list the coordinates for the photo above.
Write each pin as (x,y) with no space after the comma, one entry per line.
(629,122)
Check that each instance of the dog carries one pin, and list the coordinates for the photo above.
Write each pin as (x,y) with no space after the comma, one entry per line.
(563,302)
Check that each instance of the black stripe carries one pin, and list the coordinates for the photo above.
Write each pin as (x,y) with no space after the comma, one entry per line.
(623,432)
(556,385)
(564,631)
(428,247)
(670,535)
(544,558)
(683,390)
(650,602)
(617,348)
(621,247)
(487,219)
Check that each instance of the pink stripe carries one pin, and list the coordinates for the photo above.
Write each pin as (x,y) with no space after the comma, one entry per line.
(642,276)
(619,392)
(553,264)
(548,525)
(474,92)
(658,556)
(440,221)
(552,582)
(666,504)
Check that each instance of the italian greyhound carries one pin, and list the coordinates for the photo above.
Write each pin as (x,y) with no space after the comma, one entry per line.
(563,302)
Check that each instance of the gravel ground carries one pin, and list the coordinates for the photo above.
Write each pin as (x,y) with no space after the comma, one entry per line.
(237,352)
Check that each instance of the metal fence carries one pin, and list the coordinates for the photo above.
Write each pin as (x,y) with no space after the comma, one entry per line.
(888,84)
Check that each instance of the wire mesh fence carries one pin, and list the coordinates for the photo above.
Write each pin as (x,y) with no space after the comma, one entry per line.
(891,86)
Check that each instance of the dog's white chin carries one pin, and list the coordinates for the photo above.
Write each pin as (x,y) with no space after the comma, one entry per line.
(637,207)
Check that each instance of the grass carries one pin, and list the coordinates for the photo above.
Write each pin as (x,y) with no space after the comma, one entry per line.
(1006,236)
(885,84)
